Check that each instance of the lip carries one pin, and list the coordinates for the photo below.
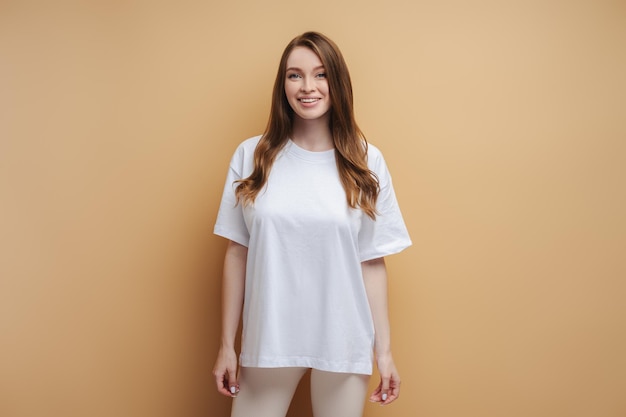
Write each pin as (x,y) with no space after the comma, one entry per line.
(310,101)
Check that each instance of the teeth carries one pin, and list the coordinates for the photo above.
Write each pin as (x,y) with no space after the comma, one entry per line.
(308,100)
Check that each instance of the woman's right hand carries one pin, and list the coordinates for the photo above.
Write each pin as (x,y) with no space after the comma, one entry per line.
(225,372)
(233,289)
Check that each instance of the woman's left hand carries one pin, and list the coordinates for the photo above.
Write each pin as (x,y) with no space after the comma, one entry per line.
(389,388)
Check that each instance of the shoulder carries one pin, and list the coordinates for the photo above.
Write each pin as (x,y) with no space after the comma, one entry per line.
(373,152)
(243,157)
(376,163)
(246,148)
(249,145)
(375,159)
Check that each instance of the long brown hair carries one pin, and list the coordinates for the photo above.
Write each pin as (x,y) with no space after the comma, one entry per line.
(359,182)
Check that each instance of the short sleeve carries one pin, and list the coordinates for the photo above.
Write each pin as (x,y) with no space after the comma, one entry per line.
(387,234)
(230,222)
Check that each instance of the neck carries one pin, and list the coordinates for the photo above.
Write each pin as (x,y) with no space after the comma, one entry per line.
(312,135)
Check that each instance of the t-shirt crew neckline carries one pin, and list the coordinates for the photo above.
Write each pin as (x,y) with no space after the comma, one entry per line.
(310,156)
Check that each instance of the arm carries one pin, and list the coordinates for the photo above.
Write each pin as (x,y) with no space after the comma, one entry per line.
(375,278)
(233,285)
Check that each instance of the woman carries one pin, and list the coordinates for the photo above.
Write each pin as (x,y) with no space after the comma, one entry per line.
(310,212)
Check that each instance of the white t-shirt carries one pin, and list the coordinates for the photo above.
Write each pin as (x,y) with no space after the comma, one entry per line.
(305,300)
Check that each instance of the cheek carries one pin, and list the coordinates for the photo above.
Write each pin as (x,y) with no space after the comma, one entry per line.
(290,89)
(326,89)
(290,95)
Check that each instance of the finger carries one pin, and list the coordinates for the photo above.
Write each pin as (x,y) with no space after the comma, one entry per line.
(391,398)
(375,396)
(233,383)
(385,390)
(221,384)
(394,389)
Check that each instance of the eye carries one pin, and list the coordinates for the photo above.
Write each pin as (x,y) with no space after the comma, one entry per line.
(321,75)
(293,76)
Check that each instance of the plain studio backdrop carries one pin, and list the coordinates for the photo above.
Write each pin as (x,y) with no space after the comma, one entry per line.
(504,126)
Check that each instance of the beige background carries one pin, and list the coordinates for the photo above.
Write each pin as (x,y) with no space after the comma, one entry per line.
(504,125)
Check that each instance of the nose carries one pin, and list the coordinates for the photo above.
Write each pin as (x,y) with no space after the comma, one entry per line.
(308,85)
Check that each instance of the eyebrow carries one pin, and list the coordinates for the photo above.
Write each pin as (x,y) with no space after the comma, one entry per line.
(298,69)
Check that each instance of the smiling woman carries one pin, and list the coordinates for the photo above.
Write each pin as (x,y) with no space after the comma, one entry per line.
(329,196)
(503,126)
(306,86)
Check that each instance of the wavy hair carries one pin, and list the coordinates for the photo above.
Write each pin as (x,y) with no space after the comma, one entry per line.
(359,182)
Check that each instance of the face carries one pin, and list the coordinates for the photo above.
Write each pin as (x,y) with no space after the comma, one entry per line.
(306,86)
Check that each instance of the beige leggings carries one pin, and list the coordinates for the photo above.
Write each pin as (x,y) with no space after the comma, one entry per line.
(267,392)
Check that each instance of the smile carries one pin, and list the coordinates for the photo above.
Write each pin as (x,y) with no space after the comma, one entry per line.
(308,100)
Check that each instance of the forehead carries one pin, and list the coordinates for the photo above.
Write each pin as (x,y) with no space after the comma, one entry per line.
(303,58)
